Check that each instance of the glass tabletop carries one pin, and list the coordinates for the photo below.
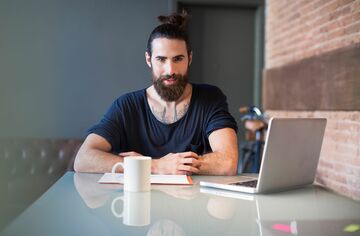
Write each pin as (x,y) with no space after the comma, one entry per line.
(78,205)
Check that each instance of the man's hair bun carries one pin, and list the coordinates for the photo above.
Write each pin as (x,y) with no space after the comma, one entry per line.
(172,27)
(179,20)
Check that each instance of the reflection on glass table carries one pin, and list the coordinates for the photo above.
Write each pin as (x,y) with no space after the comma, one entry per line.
(135,208)
(78,205)
(279,215)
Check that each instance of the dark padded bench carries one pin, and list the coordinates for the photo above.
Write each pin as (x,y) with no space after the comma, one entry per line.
(28,167)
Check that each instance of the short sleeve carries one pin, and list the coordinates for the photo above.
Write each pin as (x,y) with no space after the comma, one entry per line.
(219,116)
(110,126)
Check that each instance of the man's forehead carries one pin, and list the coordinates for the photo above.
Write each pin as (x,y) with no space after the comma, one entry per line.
(168,47)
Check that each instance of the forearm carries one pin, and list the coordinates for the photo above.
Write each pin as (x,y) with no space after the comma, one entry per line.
(95,161)
(224,158)
(219,163)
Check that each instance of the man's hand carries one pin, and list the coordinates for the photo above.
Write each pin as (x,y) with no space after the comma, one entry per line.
(183,163)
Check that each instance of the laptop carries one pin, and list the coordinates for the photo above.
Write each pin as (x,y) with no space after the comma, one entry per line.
(290,158)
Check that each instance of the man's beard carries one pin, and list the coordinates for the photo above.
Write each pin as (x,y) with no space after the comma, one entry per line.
(170,93)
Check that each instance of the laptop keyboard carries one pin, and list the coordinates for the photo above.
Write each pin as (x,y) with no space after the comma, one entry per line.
(251,183)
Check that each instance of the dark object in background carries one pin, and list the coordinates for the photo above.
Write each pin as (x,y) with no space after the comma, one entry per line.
(251,150)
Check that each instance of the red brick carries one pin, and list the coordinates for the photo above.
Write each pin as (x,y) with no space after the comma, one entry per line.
(355,6)
(353,182)
(340,12)
(354,28)
(322,3)
(355,17)
(337,187)
(355,194)
(350,126)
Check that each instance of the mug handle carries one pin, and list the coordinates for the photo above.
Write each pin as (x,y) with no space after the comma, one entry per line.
(113,207)
(116,165)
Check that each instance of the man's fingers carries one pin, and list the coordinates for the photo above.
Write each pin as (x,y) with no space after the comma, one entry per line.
(188,155)
(178,163)
(188,168)
(182,172)
(191,161)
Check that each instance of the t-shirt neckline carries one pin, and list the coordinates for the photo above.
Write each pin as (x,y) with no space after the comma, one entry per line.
(176,122)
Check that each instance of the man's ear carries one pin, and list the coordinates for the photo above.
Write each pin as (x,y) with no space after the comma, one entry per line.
(190,57)
(148,59)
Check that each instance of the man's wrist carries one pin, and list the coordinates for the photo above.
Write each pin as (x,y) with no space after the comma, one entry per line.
(154,166)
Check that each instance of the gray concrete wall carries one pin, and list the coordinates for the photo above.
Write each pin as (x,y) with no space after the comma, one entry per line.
(62,63)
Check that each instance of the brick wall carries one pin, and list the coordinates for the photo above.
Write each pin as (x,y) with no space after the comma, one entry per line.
(303,28)
(300,29)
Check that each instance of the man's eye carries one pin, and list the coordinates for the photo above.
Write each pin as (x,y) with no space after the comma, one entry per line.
(161,59)
(176,59)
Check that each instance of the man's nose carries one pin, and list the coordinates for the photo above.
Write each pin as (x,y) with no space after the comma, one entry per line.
(170,68)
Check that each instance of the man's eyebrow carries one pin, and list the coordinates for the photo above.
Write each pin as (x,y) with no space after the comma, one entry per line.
(177,56)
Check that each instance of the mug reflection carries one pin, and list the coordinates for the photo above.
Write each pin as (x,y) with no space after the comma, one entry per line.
(135,208)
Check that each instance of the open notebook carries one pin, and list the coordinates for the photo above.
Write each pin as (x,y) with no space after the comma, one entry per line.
(111,178)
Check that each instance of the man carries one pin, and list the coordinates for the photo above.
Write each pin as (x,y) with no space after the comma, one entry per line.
(185,128)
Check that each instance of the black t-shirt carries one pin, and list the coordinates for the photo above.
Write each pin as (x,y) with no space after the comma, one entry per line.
(129,124)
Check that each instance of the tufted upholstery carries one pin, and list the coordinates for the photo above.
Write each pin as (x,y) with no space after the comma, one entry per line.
(28,167)
(33,157)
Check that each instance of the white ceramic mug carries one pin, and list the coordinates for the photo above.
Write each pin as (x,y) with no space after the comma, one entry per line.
(136,209)
(137,170)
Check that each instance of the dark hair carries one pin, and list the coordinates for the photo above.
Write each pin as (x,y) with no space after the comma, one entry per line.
(171,27)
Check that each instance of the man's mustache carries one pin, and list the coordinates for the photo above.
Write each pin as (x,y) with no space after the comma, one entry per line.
(173,76)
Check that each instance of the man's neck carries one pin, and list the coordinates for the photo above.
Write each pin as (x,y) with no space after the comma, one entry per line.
(169,112)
